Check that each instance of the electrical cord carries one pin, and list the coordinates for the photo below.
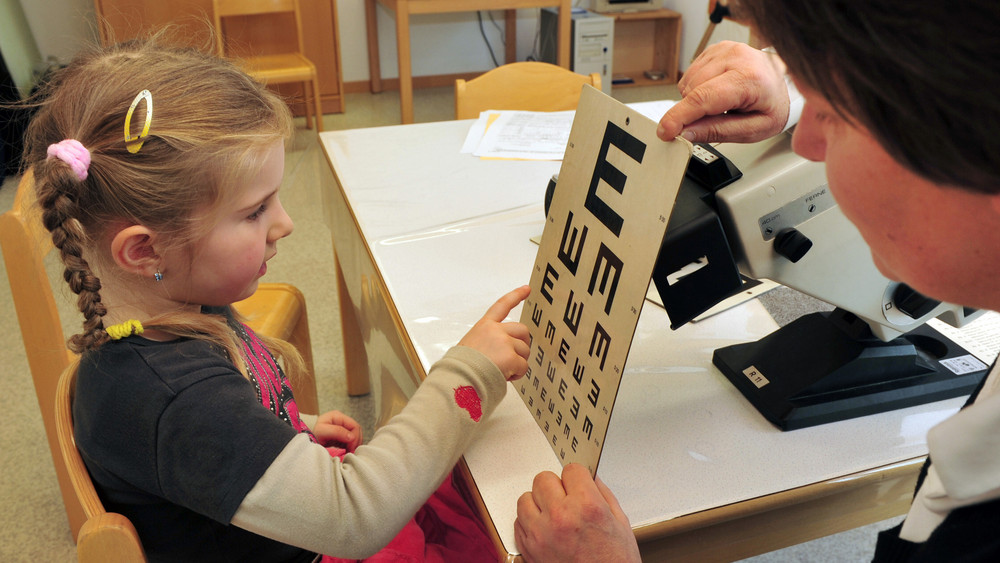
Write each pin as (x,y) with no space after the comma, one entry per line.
(486,39)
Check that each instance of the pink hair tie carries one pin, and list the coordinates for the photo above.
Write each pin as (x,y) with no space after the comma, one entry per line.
(72,153)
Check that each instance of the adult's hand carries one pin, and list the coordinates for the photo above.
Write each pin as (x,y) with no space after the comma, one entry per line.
(732,92)
(575,518)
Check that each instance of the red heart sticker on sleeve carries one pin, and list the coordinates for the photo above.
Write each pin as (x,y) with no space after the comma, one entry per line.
(467,398)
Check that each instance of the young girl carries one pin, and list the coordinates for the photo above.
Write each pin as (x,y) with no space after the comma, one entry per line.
(158,172)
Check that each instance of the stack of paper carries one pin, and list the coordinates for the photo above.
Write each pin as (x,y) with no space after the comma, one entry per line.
(525,135)
(533,135)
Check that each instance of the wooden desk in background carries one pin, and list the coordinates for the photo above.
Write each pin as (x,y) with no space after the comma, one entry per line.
(403,9)
(427,238)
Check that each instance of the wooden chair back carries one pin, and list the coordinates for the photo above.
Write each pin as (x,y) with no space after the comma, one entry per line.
(25,243)
(231,8)
(526,86)
(106,537)
(270,68)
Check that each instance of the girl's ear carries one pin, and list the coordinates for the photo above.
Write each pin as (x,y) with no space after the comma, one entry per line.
(132,249)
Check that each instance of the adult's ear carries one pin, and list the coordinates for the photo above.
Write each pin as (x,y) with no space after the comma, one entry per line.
(133,250)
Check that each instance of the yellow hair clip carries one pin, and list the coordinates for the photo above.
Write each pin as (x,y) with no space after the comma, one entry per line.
(133,144)
(125,329)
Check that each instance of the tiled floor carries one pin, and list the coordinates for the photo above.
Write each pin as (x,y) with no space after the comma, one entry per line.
(32,523)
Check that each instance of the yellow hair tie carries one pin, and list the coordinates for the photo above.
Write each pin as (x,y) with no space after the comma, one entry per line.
(122,330)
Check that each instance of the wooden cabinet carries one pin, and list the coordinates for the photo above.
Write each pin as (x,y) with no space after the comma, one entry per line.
(192,22)
(646,40)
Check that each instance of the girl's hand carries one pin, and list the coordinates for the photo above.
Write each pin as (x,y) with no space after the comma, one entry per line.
(507,344)
(335,428)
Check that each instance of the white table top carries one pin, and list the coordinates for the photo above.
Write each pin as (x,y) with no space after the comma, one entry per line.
(450,234)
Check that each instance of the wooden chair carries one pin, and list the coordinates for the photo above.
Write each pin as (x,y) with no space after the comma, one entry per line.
(276,68)
(277,310)
(105,537)
(526,86)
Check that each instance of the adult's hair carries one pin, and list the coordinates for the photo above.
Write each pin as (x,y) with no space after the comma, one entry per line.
(211,125)
(921,75)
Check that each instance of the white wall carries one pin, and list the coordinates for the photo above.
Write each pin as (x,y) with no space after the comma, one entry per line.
(465,50)
(20,53)
(61,27)
(695,18)
(440,43)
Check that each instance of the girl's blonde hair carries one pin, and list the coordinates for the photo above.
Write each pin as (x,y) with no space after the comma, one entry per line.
(210,127)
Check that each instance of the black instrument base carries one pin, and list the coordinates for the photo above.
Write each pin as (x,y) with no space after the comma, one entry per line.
(814,370)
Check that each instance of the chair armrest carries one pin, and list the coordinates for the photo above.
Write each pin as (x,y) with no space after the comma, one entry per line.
(109,538)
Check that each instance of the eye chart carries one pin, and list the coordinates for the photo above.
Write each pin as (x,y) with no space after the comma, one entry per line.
(609,212)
